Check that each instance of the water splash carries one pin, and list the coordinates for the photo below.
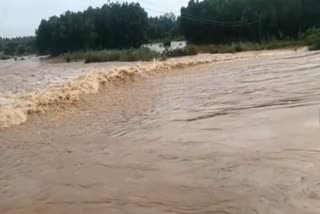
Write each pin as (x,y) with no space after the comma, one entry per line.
(70,92)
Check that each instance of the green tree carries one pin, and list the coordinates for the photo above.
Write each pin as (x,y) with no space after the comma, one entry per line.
(163,27)
(221,21)
(112,26)
(21,50)
(12,46)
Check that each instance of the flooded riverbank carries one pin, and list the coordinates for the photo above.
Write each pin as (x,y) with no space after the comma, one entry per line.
(236,137)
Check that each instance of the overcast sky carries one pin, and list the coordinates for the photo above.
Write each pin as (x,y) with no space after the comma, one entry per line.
(22,17)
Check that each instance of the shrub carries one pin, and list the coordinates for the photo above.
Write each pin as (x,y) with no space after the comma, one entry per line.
(312,37)
(68,58)
(4,57)
(142,54)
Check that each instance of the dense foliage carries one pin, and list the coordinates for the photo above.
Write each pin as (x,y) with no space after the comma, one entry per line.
(312,37)
(127,26)
(112,26)
(163,28)
(221,21)
(17,46)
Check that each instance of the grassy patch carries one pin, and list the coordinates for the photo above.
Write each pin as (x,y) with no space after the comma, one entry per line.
(232,48)
(142,54)
(246,46)
(278,44)
(217,48)
(145,54)
(315,46)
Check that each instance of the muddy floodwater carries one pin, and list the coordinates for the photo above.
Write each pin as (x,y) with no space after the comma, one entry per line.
(236,136)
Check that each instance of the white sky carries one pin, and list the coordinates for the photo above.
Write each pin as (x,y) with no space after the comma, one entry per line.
(22,17)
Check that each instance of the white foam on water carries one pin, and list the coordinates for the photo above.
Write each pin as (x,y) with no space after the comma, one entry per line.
(18,107)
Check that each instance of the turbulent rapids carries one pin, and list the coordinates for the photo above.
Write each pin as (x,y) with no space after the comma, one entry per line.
(68,93)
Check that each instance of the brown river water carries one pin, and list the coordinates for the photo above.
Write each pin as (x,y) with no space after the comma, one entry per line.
(221,134)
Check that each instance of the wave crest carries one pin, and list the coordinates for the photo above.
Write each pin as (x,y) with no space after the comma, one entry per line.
(70,92)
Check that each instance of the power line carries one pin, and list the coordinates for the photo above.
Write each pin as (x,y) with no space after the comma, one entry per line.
(207,20)
(200,19)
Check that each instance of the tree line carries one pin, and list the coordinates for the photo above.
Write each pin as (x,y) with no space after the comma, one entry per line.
(221,21)
(164,27)
(17,46)
(113,26)
(127,25)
